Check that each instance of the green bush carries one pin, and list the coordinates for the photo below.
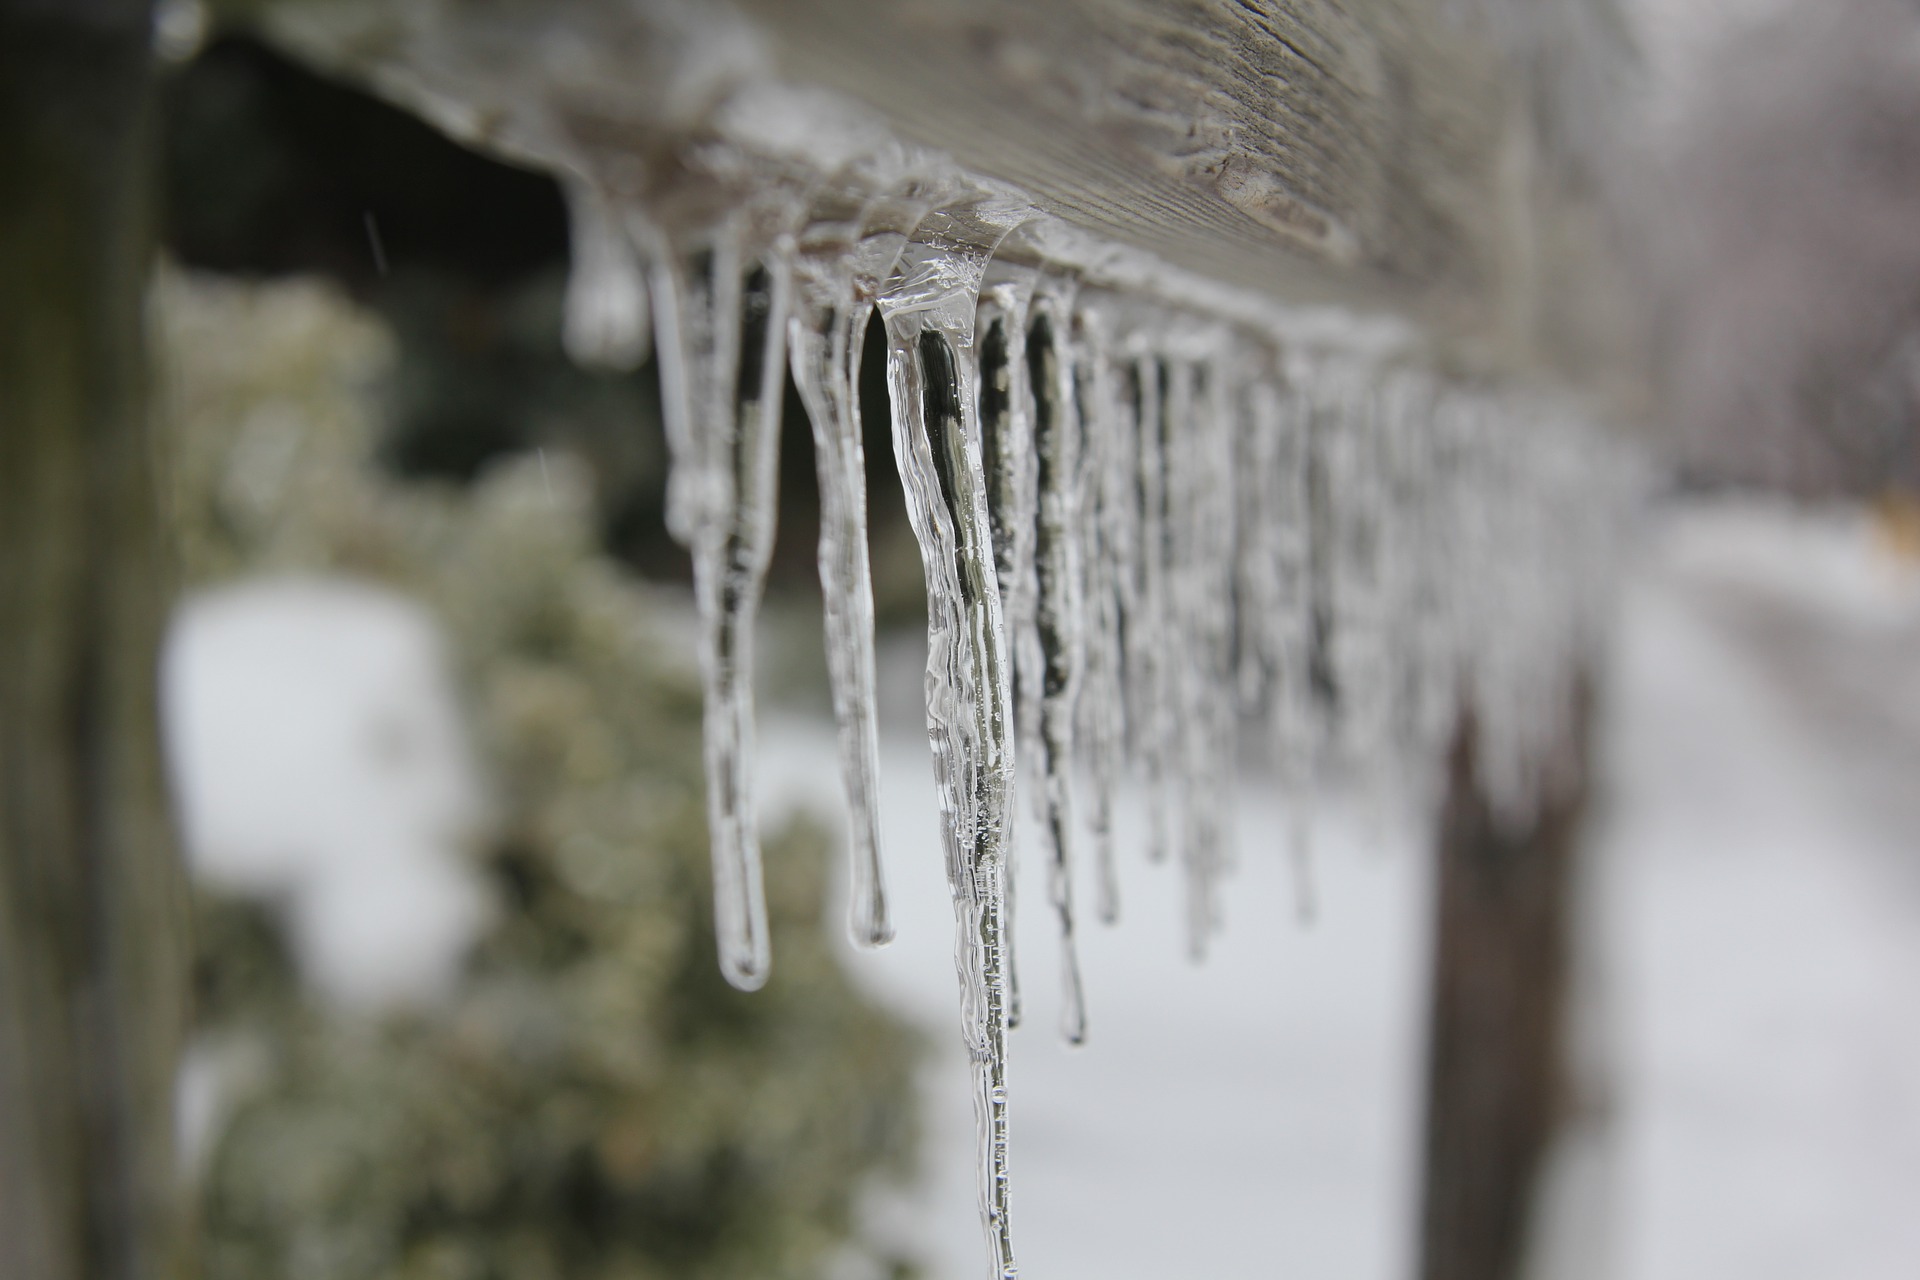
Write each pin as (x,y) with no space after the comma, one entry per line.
(594,1101)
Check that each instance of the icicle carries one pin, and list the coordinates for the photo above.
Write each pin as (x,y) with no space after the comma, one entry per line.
(1347,509)
(1197,460)
(1255,580)
(928,306)
(827,323)
(720,319)
(1262,580)
(1149,652)
(604,324)
(1006,447)
(1182,638)
(1106,538)
(1385,512)
(887,223)
(1272,592)
(1221,402)
(1296,719)
(1057,612)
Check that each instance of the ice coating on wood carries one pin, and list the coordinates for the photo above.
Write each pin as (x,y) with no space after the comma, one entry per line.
(928,307)
(1147,527)
(720,315)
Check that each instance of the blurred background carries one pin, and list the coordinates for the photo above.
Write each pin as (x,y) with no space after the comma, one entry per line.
(433,738)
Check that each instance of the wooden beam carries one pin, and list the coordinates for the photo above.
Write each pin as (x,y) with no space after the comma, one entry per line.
(1311,150)
(1307,149)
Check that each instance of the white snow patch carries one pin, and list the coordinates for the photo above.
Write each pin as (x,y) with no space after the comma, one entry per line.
(319,760)
(1763,912)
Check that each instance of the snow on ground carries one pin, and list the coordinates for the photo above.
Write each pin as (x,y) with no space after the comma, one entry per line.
(1758,920)
(1762,903)
(1758,931)
(1221,1118)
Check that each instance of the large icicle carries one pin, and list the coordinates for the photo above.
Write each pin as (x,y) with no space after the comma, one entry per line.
(720,320)
(845,255)
(1007,447)
(1056,610)
(1006,455)
(928,307)
(826,327)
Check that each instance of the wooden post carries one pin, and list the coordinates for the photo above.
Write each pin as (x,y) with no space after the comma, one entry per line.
(92,910)
(1499,1071)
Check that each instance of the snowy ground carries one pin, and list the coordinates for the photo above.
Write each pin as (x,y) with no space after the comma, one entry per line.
(1220,1117)
(1758,919)
(1762,905)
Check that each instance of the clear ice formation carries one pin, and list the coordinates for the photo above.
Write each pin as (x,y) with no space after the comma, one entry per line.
(1056,590)
(827,326)
(605,323)
(933,382)
(1155,530)
(1007,462)
(721,297)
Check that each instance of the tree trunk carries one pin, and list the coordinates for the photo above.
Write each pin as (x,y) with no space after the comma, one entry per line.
(92,911)
(1499,1085)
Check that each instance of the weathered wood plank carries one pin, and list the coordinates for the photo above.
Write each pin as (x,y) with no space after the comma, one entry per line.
(1307,150)
(1314,151)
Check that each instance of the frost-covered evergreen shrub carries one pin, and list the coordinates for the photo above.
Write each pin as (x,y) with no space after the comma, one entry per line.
(594,1101)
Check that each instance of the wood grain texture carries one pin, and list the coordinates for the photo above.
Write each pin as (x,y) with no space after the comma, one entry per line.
(1309,150)
(1350,151)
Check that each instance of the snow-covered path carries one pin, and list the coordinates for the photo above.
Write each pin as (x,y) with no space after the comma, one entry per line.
(1761,867)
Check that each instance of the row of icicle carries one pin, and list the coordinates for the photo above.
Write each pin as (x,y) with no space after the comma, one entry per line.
(1143,529)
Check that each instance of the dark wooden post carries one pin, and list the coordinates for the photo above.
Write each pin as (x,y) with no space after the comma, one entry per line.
(92,913)
(1499,1072)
